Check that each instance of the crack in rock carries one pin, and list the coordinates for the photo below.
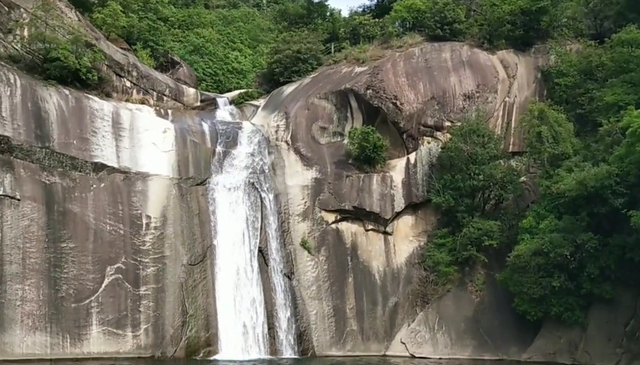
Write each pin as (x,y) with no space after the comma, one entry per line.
(372,221)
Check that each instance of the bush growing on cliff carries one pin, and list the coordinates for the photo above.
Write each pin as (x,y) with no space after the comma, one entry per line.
(58,52)
(367,148)
(473,187)
(248,95)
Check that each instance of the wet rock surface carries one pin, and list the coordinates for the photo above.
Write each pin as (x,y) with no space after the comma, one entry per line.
(105,241)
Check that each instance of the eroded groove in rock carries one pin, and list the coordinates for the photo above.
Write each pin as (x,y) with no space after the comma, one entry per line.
(51,159)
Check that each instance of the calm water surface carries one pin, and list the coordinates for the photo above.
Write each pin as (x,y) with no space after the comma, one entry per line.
(273,361)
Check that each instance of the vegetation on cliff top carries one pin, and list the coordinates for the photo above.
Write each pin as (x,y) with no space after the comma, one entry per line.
(58,52)
(243,44)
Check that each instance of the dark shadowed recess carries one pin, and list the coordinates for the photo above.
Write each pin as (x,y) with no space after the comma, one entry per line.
(49,158)
(376,117)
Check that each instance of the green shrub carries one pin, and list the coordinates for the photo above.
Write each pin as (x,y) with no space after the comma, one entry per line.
(440,20)
(145,56)
(248,95)
(473,189)
(59,52)
(293,57)
(70,62)
(516,24)
(306,245)
(367,148)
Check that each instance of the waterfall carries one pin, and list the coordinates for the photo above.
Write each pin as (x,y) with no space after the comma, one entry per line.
(240,188)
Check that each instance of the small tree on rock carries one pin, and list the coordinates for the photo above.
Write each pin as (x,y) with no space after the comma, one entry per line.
(367,148)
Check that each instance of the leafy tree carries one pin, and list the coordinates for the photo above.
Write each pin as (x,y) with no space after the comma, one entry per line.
(473,188)
(360,29)
(595,83)
(58,52)
(295,56)
(513,23)
(579,240)
(473,174)
(440,20)
(110,18)
(549,136)
(367,148)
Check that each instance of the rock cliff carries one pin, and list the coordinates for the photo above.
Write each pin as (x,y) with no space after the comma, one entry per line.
(104,231)
(358,290)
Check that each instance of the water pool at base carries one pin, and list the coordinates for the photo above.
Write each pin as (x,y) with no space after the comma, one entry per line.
(353,360)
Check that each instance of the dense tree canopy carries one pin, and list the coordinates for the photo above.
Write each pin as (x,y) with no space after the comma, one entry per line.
(233,44)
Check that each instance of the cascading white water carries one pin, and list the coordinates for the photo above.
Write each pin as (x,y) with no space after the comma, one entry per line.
(240,187)
(284,322)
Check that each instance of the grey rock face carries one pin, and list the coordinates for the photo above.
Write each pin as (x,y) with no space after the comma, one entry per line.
(127,137)
(359,288)
(98,266)
(105,241)
(182,72)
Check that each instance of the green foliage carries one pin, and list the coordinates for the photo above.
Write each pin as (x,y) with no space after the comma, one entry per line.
(579,240)
(362,29)
(474,188)
(306,245)
(110,18)
(58,52)
(554,271)
(293,57)
(473,174)
(367,148)
(596,83)
(145,56)
(226,47)
(440,20)
(549,135)
(242,44)
(518,24)
(248,95)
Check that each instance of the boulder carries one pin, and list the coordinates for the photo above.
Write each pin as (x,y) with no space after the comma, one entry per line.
(359,288)
(181,72)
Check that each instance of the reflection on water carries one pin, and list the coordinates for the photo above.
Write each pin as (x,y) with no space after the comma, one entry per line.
(359,360)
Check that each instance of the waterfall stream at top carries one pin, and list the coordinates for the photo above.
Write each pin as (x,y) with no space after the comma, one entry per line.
(241,201)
